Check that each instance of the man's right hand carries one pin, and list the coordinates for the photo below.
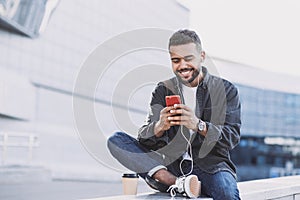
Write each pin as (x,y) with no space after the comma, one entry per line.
(163,124)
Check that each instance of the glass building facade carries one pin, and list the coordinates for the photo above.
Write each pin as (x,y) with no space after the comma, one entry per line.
(270,136)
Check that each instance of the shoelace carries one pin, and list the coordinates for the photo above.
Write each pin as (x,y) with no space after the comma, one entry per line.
(172,190)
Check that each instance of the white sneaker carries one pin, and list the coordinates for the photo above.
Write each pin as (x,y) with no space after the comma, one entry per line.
(189,185)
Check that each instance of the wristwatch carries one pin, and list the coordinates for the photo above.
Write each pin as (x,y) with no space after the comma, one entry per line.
(201,125)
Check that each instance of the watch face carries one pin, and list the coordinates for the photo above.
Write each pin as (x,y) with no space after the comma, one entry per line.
(201,126)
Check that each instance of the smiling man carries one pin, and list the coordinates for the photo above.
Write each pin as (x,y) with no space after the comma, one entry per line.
(185,148)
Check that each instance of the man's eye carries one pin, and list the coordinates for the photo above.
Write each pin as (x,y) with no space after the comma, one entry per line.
(188,59)
(175,61)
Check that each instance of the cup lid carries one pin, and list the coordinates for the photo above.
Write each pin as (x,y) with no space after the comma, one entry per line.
(130,175)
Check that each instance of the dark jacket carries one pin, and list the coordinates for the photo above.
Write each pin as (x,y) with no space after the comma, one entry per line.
(218,105)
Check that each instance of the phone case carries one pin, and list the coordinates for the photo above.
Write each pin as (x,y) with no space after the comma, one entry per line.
(171,100)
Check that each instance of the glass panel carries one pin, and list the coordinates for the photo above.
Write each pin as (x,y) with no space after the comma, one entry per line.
(26,16)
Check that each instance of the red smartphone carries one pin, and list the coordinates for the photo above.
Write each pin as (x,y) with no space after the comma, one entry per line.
(173,99)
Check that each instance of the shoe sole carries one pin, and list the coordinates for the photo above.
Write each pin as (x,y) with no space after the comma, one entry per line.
(192,186)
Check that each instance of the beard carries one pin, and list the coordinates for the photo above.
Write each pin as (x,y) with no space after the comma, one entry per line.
(195,74)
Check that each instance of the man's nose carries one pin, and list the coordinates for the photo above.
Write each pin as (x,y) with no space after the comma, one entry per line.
(183,63)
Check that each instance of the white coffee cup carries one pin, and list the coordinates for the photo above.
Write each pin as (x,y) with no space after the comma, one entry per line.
(130,182)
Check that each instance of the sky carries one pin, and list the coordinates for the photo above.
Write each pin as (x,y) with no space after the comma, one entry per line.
(260,33)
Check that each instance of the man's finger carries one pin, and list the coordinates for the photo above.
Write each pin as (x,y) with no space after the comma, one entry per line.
(181,112)
(182,106)
(166,109)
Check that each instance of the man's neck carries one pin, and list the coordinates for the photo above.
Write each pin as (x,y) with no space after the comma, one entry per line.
(196,81)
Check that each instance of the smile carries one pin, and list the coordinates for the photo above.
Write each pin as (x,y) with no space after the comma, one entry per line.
(185,71)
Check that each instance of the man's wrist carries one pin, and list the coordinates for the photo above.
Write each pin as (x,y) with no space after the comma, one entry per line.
(201,127)
(158,131)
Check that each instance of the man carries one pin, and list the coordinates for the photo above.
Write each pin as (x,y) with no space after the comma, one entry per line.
(180,145)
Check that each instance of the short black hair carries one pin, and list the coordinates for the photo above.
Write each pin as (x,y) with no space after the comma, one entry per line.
(185,36)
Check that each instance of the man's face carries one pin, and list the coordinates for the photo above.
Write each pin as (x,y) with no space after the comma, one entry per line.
(186,63)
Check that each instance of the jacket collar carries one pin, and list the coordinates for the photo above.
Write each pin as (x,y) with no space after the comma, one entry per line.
(204,82)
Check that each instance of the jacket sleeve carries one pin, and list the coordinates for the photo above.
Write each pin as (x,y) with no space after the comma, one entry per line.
(146,132)
(225,119)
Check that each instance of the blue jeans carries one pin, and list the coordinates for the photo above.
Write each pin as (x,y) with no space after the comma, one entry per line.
(127,150)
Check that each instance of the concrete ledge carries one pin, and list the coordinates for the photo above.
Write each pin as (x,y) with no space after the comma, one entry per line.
(150,195)
(283,188)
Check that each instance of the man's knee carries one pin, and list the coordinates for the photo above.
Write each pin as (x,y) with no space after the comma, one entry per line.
(231,194)
(116,136)
(121,141)
(115,140)
(222,186)
(228,191)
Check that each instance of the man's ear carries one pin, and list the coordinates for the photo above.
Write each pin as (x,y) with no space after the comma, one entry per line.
(202,55)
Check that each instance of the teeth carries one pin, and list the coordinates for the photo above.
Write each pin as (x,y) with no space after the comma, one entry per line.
(185,71)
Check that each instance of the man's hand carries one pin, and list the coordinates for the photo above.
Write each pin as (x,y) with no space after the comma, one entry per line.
(163,124)
(187,117)
(179,114)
